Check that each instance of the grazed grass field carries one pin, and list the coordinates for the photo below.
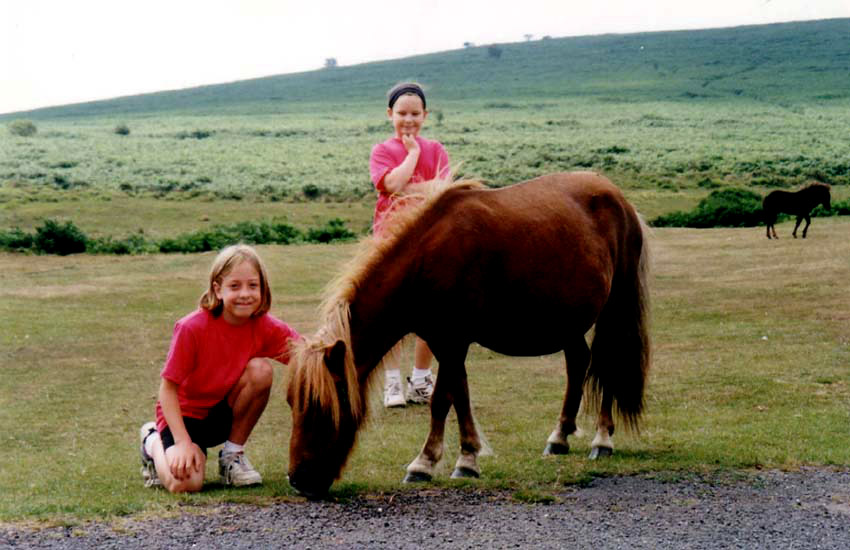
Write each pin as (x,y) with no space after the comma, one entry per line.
(752,344)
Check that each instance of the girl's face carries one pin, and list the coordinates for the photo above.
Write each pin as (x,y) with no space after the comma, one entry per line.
(240,293)
(407,115)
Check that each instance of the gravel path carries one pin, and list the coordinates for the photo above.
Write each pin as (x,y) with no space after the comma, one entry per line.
(804,509)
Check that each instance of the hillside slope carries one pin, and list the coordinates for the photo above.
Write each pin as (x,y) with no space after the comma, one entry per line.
(781,63)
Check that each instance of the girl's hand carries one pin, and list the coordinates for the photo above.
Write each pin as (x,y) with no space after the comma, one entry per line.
(184,458)
(410,143)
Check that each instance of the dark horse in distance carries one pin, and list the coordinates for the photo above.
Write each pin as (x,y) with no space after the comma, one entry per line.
(524,270)
(798,203)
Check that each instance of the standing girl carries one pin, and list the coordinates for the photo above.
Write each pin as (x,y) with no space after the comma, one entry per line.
(217,378)
(396,166)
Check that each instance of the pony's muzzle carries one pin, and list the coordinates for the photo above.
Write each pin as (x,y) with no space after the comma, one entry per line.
(312,491)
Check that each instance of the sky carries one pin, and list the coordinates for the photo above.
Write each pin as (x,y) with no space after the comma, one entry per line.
(57,52)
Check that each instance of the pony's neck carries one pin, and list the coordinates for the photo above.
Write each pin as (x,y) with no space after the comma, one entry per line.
(380,311)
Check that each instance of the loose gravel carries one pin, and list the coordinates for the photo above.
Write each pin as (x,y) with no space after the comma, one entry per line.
(803,509)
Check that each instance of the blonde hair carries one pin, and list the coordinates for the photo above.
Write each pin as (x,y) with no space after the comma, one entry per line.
(223,264)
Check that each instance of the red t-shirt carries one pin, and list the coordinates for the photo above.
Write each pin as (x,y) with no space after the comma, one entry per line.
(208,355)
(433,163)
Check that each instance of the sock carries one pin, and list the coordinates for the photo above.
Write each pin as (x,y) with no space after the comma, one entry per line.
(231,447)
(149,440)
(392,374)
(419,374)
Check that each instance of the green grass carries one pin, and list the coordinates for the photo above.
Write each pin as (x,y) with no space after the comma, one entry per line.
(751,348)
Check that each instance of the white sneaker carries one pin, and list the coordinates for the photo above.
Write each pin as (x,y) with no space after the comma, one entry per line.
(420,390)
(393,395)
(236,470)
(149,475)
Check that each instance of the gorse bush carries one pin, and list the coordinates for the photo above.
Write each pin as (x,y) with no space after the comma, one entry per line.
(134,244)
(722,208)
(220,236)
(56,238)
(62,239)
(335,230)
(22,128)
(15,239)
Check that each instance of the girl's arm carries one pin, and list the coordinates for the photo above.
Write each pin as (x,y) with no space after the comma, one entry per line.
(398,177)
(185,456)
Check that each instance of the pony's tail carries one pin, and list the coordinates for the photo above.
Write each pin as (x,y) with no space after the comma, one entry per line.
(621,348)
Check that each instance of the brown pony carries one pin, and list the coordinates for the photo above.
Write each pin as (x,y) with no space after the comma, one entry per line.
(799,203)
(524,270)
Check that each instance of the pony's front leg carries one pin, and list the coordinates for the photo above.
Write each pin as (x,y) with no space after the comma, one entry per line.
(470,443)
(602,444)
(422,467)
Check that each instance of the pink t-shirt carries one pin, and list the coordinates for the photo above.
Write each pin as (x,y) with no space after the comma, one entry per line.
(433,163)
(208,355)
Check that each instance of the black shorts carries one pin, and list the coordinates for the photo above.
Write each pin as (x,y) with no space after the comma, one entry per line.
(209,432)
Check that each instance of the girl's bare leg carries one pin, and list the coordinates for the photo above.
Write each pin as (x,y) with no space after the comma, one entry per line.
(249,397)
(422,355)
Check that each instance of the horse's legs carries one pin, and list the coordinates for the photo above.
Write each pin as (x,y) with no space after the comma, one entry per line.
(602,444)
(771,228)
(422,467)
(577,358)
(450,389)
(808,222)
(470,443)
(796,225)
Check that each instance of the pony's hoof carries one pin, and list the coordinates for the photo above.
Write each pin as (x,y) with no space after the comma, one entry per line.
(556,449)
(600,452)
(416,477)
(463,473)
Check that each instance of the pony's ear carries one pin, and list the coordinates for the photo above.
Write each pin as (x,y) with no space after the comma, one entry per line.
(335,359)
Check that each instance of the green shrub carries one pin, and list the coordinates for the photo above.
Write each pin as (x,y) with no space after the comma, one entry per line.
(335,230)
(220,236)
(22,128)
(134,244)
(62,239)
(195,134)
(122,130)
(15,239)
(838,208)
(312,191)
(722,208)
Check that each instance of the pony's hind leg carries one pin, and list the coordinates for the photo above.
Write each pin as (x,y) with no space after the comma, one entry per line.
(806,228)
(577,356)
(602,445)
(796,225)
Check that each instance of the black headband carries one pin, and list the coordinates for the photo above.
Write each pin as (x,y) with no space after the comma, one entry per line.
(407,90)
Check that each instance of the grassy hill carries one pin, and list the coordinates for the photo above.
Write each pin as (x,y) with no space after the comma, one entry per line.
(668,116)
(787,63)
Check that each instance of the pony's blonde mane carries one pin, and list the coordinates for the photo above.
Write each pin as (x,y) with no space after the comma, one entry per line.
(314,382)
